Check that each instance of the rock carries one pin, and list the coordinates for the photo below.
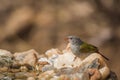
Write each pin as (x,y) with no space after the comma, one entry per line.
(29,57)
(52,52)
(112,76)
(104,69)
(15,70)
(46,75)
(81,73)
(66,60)
(5,61)
(66,71)
(30,78)
(20,79)
(94,74)
(3,69)
(93,67)
(45,64)
(5,58)
(48,63)
(23,69)
(6,76)
(5,53)
(21,75)
(55,65)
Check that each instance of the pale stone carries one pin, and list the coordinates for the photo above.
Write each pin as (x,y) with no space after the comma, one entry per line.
(66,60)
(28,57)
(52,52)
(5,58)
(5,53)
(30,78)
(73,64)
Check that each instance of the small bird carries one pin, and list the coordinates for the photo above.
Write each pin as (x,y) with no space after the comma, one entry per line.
(79,47)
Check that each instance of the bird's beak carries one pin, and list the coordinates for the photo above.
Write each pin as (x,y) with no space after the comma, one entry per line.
(66,39)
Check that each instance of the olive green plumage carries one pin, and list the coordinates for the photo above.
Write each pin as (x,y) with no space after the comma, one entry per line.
(79,47)
(88,48)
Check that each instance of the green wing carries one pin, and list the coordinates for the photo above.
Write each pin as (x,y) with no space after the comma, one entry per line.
(88,48)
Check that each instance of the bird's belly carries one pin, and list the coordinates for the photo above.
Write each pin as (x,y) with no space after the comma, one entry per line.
(75,50)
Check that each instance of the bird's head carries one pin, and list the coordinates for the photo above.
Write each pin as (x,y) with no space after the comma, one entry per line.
(74,40)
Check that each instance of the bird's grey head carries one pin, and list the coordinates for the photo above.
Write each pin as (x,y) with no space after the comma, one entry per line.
(74,40)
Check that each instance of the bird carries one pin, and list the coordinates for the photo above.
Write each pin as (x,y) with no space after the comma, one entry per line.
(79,47)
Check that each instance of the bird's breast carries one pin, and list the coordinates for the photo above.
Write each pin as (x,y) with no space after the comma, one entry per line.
(75,50)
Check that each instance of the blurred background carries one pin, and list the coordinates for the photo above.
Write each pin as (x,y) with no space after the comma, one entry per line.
(43,24)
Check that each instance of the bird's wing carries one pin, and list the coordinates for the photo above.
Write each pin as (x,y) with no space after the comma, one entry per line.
(88,48)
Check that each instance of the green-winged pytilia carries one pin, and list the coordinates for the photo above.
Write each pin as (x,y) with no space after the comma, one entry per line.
(80,48)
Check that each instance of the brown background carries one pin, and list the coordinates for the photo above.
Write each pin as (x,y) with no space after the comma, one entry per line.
(43,24)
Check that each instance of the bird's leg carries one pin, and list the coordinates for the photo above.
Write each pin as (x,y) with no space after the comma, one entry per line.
(68,47)
(75,58)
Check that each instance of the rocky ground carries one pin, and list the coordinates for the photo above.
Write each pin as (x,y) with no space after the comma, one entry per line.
(54,65)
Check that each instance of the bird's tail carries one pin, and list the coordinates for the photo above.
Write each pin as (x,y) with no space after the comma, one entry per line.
(103,56)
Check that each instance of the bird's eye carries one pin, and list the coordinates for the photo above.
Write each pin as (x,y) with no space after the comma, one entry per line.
(70,38)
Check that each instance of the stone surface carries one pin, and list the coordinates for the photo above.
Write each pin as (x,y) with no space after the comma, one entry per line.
(54,65)
(5,58)
(69,66)
(28,57)
(5,53)
(30,78)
